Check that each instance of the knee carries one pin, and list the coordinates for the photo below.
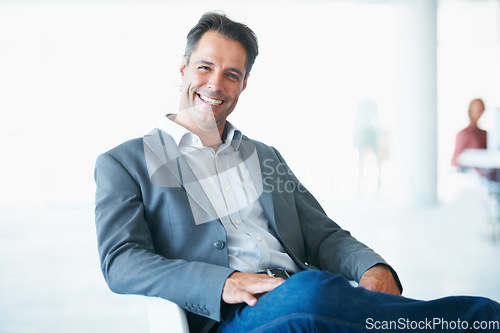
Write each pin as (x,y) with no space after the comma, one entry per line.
(309,292)
(484,308)
(318,282)
(311,286)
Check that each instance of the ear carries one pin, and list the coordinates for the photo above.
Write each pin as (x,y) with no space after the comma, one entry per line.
(245,83)
(183,65)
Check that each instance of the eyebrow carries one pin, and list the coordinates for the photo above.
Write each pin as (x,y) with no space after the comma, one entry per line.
(206,62)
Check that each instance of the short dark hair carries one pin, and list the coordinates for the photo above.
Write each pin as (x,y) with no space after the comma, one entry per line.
(220,23)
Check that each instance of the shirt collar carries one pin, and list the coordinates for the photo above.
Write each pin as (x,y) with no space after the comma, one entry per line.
(233,135)
(180,134)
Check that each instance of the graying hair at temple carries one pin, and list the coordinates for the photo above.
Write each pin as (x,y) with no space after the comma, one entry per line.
(220,23)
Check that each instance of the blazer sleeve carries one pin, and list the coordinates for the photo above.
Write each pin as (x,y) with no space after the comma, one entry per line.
(127,255)
(328,246)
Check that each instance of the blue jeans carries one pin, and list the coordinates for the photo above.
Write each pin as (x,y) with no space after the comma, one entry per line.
(316,301)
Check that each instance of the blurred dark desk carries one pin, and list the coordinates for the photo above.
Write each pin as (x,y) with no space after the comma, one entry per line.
(486,159)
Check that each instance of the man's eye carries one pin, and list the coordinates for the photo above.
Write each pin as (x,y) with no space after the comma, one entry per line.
(204,68)
(233,76)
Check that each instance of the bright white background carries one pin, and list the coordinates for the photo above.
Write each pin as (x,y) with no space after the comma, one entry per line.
(79,77)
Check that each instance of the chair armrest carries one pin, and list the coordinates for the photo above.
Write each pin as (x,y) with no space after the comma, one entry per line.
(165,316)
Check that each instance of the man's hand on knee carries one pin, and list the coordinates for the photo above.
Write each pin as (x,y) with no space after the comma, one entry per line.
(379,278)
(243,287)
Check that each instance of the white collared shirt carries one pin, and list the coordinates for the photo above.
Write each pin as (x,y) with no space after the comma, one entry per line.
(226,180)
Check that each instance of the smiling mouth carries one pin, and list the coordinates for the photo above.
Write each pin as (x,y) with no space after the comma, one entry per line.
(210,101)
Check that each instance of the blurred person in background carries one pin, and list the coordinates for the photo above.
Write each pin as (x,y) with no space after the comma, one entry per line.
(471,137)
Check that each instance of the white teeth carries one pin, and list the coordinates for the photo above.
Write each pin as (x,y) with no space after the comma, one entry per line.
(210,100)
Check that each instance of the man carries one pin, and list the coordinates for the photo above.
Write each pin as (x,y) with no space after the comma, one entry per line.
(471,137)
(195,212)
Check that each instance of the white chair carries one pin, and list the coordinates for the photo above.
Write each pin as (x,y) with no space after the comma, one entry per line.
(165,316)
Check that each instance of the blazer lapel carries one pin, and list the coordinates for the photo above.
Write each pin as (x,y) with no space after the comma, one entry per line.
(255,164)
(168,168)
(278,205)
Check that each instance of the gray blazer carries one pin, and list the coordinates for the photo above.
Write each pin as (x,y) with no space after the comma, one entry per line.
(149,243)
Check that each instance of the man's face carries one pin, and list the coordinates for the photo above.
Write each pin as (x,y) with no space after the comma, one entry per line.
(476,109)
(213,80)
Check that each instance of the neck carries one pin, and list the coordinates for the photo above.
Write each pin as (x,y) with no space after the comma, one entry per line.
(210,136)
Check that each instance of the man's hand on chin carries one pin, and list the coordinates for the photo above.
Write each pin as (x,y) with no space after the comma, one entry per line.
(379,278)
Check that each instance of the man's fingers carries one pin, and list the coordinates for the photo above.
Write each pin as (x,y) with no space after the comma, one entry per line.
(263,284)
(249,299)
(242,287)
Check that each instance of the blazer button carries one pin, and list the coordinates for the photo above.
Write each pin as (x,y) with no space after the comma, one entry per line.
(219,245)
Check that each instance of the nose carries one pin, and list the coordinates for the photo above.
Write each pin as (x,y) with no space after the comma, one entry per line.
(216,81)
